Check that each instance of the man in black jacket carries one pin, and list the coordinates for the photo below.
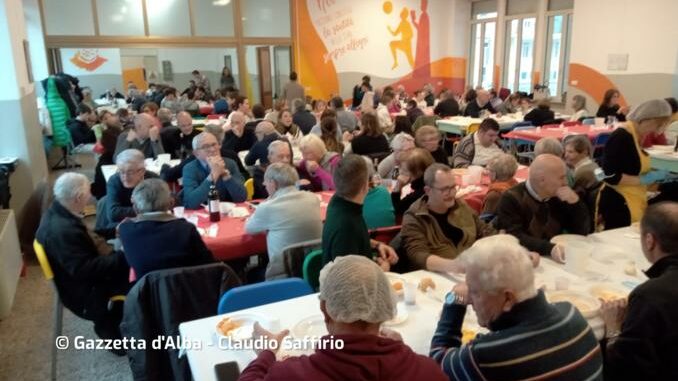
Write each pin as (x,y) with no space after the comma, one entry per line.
(482,102)
(81,126)
(642,338)
(86,270)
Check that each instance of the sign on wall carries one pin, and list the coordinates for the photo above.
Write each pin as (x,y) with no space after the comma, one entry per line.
(89,61)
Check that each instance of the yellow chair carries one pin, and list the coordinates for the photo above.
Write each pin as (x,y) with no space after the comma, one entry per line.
(58,306)
(249,187)
(472,128)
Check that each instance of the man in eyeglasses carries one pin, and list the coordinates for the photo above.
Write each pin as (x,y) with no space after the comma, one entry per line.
(438,226)
(210,168)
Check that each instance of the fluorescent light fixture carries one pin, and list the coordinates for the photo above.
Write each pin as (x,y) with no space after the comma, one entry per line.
(221,3)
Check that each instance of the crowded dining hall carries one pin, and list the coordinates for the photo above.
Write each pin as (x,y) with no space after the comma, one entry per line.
(221,190)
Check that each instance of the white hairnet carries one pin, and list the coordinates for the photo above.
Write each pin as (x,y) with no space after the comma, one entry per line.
(354,288)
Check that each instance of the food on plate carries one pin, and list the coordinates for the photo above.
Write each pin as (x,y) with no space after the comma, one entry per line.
(630,268)
(397,285)
(426,283)
(227,325)
(587,305)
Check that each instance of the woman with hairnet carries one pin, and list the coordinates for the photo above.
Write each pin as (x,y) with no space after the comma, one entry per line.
(355,298)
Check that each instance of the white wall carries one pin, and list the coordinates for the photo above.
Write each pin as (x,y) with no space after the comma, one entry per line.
(645,30)
(36,40)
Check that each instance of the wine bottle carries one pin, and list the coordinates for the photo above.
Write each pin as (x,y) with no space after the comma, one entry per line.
(213,203)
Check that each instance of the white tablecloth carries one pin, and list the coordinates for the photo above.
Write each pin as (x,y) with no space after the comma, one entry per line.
(296,156)
(613,250)
(459,124)
(152,166)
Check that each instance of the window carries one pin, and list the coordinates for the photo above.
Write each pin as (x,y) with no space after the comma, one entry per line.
(266,18)
(557,52)
(120,18)
(168,18)
(213,18)
(518,69)
(483,35)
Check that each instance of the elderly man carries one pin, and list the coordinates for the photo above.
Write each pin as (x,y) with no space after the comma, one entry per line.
(86,270)
(347,120)
(210,168)
(177,140)
(265,133)
(131,172)
(438,226)
(237,137)
(289,215)
(175,242)
(530,339)
(543,207)
(548,145)
(402,144)
(345,231)
(482,102)
(641,336)
(355,299)
(479,147)
(165,118)
(145,137)
(279,151)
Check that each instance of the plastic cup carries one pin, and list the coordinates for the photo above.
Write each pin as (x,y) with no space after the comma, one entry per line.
(577,256)
(178,211)
(410,293)
(164,158)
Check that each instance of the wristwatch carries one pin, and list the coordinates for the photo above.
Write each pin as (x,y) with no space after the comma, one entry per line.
(450,298)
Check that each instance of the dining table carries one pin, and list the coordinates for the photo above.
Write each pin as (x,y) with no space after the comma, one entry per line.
(458,125)
(533,134)
(151,165)
(663,157)
(612,253)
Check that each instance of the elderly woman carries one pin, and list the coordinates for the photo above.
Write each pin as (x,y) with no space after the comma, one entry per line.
(428,137)
(411,172)
(371,139)
(623,197)
(287,128)
(173,242)
(500,287)
(548,145)
(289,216)
(402,144)
(579,107)
(578,152)
(377,208)
(611,107)
(502,169)
(355,299)
(317,164)
(117,203)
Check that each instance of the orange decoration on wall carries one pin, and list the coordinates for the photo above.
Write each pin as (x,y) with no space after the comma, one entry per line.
(88,59)
(592,82)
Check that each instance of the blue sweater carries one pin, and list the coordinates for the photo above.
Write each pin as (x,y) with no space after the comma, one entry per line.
(534,339)
(119,199)
(175,243)
(197,184)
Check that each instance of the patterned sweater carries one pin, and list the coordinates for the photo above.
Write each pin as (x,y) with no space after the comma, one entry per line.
(535,340)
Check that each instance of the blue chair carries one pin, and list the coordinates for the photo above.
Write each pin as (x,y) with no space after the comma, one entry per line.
(252,295)
(506,143)
(588,121)
(523,149)
(599,145)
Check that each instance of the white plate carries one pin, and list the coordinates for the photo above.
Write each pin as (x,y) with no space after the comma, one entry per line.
(394,278)
(312,326)
(246,321)
(562,239)
(401,316)
(586,304)
(608,291)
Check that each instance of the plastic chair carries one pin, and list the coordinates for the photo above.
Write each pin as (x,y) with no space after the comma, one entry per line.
(588,121)
(249,187)
(523,148)
(472,128)
(313,263)
(599,145)
(385,234)
(253,295)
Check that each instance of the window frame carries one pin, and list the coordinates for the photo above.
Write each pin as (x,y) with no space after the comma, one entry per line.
(481,56)
(565,48)
(519,44)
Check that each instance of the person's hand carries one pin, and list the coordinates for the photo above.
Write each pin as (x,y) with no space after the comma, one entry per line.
(387,253)
(304,183)
(347,136)
(613,312)
(654,176)
(131,136)
(558,253)
(154,133)
(566,194)
(267,336)
(390,334)
(217,167)
(534,258)
(461,291)
(624,110)
(385,266)
(312,166)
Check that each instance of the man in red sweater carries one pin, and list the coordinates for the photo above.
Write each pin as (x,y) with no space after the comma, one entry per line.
(355,298)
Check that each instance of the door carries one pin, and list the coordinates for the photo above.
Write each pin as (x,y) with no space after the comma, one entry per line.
(265,81)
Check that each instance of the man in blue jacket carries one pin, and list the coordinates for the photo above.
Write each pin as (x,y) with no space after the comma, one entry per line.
(211,168)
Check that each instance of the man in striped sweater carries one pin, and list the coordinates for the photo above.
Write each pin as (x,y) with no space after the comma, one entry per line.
(529,339)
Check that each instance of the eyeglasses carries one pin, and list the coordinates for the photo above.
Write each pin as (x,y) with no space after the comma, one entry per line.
(209,146)
(446,189)
(131,172)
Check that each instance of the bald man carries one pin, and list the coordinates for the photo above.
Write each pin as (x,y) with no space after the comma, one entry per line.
(177,140)
(543,207)
(145,137)
(237,137)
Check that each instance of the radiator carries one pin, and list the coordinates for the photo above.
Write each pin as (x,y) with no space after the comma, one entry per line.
(10,261)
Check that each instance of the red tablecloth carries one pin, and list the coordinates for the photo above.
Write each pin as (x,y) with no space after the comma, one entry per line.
(206,110)
(232,241)
(475,199)
(534,134)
